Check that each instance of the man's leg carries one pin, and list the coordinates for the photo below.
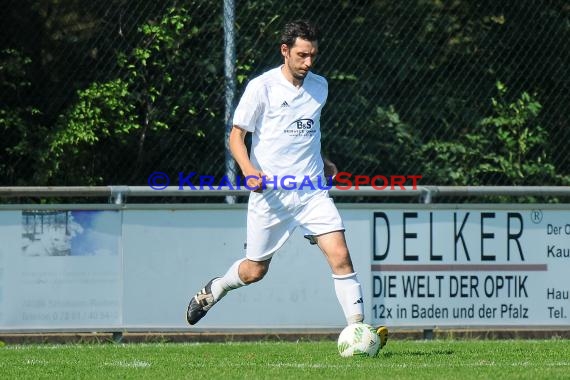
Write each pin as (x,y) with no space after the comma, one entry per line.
(242,272)
(269,225)
(347,286)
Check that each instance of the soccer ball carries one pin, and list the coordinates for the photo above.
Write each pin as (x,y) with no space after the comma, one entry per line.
(358,339)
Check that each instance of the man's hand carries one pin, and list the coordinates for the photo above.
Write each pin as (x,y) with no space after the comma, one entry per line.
(254,180)
(330,168)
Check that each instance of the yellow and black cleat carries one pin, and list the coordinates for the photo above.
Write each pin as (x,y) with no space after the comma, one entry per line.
(382,332)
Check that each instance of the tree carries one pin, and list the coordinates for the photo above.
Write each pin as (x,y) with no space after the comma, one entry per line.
(507,148)
(18,120)
(115,90)
(159,95)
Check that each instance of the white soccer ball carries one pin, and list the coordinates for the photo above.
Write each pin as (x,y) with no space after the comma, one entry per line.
(358,339)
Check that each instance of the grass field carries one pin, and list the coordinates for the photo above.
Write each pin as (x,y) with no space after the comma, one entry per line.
(438,359)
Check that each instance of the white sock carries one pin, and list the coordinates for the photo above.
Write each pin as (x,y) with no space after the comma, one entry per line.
(349,294)
(231,280)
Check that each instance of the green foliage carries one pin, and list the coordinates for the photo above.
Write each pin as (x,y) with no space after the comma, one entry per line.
(395,143)
(385,144)
(153,94)
(17,119)
(445,163)
(104,112)
(519,151)
(13,70)
(153,67)
(508,148)
(105,93)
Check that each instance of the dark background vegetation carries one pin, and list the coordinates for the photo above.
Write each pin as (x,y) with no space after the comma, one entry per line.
(462,92)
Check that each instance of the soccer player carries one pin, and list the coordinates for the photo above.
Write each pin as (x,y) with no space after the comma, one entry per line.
(282,109)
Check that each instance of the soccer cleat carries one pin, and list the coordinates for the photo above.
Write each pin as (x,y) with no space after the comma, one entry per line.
(382,332)
(200,304)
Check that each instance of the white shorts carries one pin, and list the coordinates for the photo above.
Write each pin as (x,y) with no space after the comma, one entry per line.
(274,214)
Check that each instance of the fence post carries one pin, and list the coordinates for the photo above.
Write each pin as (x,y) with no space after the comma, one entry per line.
(426,198)
(230,87)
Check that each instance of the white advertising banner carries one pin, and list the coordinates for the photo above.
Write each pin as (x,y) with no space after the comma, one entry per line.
(135,267)
(60,269)
(488,267)
(171,255)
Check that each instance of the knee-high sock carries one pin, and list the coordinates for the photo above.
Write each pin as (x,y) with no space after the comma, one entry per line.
(231,280)
(349,294)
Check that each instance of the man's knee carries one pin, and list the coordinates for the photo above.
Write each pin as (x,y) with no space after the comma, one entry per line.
(343,264)
(340,260)
(253,271)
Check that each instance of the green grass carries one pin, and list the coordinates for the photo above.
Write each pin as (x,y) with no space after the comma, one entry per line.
(439,359)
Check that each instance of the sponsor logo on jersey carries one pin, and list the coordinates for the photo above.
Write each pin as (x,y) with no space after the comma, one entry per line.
(301,127)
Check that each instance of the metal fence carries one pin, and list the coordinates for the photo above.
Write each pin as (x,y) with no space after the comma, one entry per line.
(462,92)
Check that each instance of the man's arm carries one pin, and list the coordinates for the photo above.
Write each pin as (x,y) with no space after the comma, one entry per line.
(239,153)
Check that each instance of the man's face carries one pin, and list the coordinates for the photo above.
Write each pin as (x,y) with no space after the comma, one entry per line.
(300,57)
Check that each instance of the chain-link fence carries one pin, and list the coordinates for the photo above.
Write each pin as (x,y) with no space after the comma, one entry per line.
(461,92)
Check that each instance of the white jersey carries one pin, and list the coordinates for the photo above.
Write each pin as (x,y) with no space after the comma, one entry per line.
(285,124)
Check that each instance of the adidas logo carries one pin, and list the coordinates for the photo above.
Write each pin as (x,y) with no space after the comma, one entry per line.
(358,301)
(284,104)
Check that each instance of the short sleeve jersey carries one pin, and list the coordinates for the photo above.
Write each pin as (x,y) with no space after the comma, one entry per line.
(285,124)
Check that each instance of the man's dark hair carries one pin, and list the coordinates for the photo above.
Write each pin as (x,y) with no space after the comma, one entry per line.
(302,29)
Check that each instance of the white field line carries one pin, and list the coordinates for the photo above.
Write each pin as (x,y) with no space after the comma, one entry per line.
(479,365)
(36,362)
(127,364)
(353,365)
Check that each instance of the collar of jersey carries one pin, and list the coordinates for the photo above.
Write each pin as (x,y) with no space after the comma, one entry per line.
(282,76)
